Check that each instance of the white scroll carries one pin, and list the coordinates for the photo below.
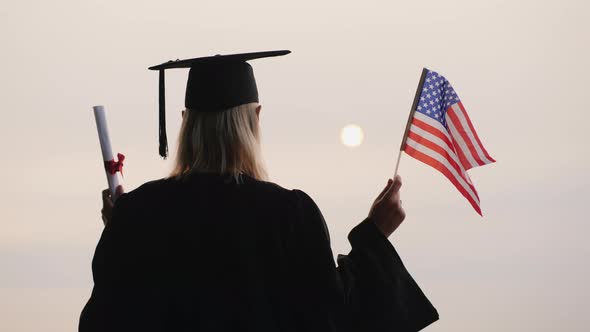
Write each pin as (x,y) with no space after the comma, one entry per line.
(107,151)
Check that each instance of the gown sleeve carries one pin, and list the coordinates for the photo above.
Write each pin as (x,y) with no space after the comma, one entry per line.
(370,290)
(121,299)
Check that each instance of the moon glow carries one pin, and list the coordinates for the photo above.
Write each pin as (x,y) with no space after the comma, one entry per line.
(351,135)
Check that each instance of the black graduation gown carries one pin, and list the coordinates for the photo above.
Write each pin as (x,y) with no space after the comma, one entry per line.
(209,254)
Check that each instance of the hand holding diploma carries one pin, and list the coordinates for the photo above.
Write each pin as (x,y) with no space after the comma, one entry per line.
(107,204)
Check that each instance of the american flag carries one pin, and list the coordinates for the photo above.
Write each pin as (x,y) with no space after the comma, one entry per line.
(441,135)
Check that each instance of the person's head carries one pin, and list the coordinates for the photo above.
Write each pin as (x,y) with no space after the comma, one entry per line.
(226,142)
(220,131)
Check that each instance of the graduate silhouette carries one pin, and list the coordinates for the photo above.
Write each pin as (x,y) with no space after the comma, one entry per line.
(216,247)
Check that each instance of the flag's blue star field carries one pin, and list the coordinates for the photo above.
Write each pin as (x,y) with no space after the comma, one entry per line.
(436,97)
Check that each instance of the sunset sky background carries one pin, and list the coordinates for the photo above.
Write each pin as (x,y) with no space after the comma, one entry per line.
(521,69)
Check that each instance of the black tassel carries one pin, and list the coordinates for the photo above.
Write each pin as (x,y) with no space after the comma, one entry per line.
(163,149)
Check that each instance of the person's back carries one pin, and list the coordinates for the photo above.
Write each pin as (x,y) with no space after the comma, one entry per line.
(216,254)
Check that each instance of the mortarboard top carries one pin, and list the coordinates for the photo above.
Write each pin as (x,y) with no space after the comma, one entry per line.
(215,83)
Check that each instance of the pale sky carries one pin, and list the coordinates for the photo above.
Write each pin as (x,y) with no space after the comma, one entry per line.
(521,69)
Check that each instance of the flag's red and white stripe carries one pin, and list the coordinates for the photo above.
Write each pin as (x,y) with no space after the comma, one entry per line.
(451,151)
(465,139)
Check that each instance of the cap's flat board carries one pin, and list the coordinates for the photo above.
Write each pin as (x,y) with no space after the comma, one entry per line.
(240,57)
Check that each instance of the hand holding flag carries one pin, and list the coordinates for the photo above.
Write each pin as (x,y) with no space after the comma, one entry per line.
(387,211)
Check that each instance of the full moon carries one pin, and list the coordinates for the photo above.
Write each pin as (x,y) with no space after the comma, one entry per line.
(351,135)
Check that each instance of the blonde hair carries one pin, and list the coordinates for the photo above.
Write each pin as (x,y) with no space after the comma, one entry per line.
(226,142)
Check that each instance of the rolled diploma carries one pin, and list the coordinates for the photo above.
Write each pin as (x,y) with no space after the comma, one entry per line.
(105,147)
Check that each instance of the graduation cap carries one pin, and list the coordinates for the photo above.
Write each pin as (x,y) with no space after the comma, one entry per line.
(215,83)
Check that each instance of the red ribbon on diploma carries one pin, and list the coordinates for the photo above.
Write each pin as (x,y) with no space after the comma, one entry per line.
(115,166)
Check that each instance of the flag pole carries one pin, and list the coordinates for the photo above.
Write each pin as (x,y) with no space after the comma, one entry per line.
(410,117)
